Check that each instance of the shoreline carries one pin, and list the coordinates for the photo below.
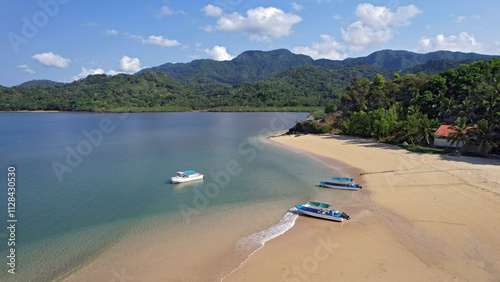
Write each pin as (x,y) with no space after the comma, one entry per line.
(420,217)
(271,110)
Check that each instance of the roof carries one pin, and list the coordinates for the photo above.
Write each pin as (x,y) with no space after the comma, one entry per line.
(444,130)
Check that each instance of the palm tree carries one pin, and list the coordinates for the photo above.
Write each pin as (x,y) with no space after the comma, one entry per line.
(446,108)
(490,103)
(467,109)
(460,132)
(484,135)
(428,127)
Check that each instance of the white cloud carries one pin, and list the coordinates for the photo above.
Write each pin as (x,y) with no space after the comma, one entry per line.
(128,64)
(219,53)
(208,28)
(90,24)
(337,17)
(297,7)
(51,59)
(160,41)
(376,24)
(86,72)
(26,68)
(464,42)
(260,23)
(113,72)
(166,11)
(212,11)
(110,32)
(156,40)
(458,19)
(328,49)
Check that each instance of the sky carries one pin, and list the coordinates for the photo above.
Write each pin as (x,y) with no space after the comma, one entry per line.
(66,40)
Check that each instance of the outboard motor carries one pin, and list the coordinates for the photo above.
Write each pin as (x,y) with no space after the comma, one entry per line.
(344,215)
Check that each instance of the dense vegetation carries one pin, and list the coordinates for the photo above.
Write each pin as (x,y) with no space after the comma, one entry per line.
(100,93)
(202,76)
(253,81)
(41,83)
(410,108)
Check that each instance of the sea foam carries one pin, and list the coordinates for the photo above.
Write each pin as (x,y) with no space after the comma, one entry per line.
(257,240)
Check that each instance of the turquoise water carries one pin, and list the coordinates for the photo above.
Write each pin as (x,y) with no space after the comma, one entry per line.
(86,181)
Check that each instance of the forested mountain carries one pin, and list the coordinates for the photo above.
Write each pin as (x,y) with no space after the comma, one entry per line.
(392,59)
(247,67)
(41,83)
(99,93)
(253,66)
(298,82)
(306,85)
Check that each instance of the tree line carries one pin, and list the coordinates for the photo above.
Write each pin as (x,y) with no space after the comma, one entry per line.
(411,108)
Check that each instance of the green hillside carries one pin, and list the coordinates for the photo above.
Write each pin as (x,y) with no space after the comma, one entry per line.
(255,80)
(41,83)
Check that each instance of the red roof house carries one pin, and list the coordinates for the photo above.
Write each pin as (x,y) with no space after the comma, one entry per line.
(441,136)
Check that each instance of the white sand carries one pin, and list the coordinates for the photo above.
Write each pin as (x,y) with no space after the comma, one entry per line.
(421,217)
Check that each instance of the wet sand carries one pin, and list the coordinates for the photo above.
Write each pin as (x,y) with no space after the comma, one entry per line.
(421,217)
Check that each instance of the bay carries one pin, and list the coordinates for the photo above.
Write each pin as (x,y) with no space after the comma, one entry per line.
(87,183)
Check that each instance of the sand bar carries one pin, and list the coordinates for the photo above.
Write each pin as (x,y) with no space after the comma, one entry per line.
(422,217)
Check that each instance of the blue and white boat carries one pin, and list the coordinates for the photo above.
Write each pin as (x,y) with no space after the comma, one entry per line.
(347,185)
(321,210)
(185,176)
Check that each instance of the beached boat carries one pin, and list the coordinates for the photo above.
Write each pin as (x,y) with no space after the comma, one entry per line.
(185,176)
(344,186)
(343,179)
(347,185)
(321,210)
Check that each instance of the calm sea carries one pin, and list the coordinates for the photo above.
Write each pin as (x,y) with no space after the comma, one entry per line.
(86,182)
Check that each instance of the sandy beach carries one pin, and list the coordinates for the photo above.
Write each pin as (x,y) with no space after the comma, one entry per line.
(421,217)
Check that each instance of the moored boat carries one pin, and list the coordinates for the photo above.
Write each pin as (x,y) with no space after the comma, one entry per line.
(185,176)
(320,210)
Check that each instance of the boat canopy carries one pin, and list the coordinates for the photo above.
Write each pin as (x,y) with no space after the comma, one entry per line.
(342,179)
(317,204)
(189,171)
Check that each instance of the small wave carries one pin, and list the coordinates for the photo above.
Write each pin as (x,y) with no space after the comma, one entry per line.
(257,240)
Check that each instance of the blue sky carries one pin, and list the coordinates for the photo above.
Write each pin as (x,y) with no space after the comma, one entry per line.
(64,40)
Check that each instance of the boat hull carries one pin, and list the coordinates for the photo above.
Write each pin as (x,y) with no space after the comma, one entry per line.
(323,216)
(338,186)
(320,215)
(176,179)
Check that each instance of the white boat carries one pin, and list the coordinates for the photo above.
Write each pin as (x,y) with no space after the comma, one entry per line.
(312,209)
(185,176)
